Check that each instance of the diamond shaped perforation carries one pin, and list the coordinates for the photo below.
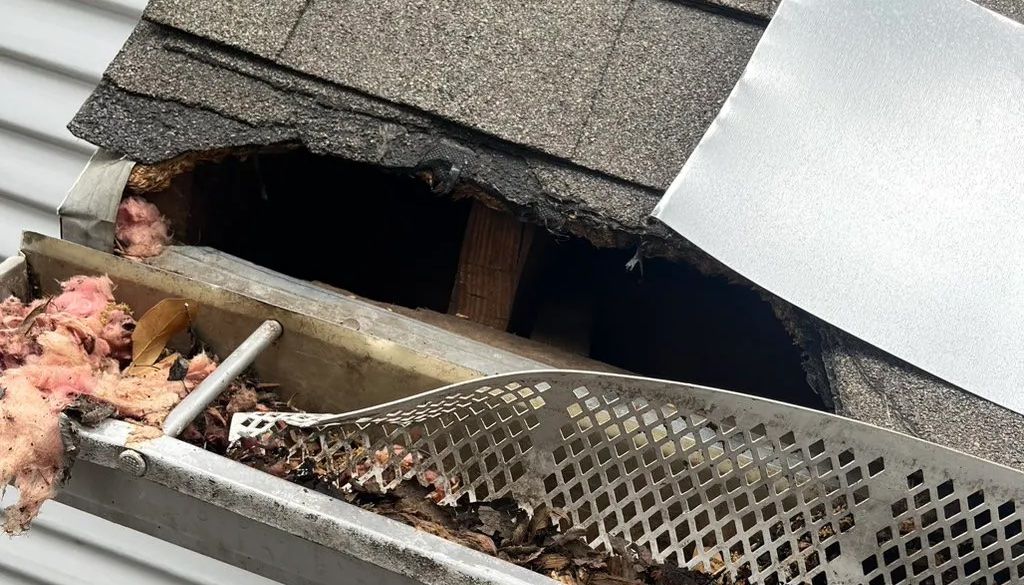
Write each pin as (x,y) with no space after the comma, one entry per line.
(941,533)
(707,494)
(703,493)
(474,443)
(724,483)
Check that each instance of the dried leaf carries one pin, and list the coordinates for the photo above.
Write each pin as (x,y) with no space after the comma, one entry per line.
(574,534)
(619,566)
(619,545)
(607,579)
(500,527)
(243,399)
(540,522)
(520,554)
(670,575)
(480,542)
(520,533)
(552,562)
(584,556)
(30,319)
(152,332)
(158,370)
(212,411)
(564,578)
(493,522)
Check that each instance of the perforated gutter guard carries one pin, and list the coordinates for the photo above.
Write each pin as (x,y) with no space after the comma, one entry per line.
(702,477)
(866,168)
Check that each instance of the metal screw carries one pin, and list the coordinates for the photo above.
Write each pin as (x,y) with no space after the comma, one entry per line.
(132,462)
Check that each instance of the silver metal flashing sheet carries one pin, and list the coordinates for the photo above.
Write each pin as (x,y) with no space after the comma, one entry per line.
(869,168)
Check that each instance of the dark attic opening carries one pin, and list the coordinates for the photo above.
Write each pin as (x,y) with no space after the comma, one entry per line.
(455,262)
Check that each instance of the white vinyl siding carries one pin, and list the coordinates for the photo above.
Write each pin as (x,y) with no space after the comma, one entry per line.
(52,55)
(66,546)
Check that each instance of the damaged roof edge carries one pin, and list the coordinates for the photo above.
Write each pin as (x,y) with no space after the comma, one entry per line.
(549,77)
(170,92)
(562,199)
(653,237)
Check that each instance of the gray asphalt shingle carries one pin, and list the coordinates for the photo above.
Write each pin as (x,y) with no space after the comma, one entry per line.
(258,27)
(625,87)
(1013,9)
(875,387)
(672,69)
(524,72)
(168,93)
(759,8)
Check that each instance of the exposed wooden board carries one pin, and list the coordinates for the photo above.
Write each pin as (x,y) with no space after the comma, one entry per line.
(548,355)
(556,357)
(335,356)
(493,254)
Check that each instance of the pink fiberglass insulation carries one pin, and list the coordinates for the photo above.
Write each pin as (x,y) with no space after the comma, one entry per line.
(141,230)
(53,352)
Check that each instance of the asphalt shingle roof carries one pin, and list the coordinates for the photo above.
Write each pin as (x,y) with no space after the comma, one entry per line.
(561,77)
(575,113)
(260,28)
(524,72)
(671,70)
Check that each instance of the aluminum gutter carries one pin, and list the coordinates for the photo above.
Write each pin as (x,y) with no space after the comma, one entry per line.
(262,523)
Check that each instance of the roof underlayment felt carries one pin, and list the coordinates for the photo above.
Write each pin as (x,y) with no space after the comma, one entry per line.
(573,114)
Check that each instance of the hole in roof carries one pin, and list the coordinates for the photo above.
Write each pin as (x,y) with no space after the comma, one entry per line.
(385,236)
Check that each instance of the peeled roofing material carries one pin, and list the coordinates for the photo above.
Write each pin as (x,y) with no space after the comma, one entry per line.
(866,168)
